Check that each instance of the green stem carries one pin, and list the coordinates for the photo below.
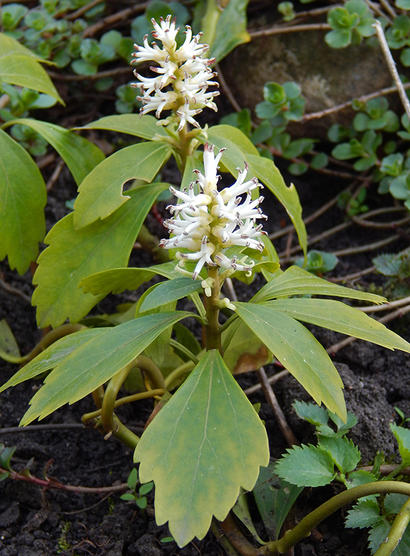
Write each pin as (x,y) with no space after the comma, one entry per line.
(124,434)
(177,373)
(212,332)
(48,339)
(303,529)
(110,396)
(122,401)
(147,366)
(396,532)
(177,345)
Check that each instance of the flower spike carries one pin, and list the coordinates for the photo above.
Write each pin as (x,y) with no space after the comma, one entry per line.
(183,75)
(208,222)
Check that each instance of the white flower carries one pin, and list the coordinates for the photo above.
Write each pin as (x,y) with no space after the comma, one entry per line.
(183,75)
(208,222)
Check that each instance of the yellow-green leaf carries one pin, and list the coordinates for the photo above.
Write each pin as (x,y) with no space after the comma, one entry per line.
(22,200)
(298,351)
(50,357)
(203,446)
(101,192)
(118,280)
(19,66)
(95,361)
(133,124)
(80,155)
(224,26)
(296,281)
(75,254)
(340,317)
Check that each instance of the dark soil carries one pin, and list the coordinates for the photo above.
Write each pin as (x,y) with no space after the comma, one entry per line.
(39,522)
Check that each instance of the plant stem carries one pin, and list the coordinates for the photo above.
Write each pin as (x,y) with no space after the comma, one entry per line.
(147,366)
(178,373)
(212,333)
(396,532)
(48,339)
(111,393)
(312,520)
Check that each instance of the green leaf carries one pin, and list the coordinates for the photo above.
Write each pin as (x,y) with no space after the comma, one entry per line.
(101,192)
(298,351)
(75,254)
(204,445)
(266,171)
(117,280)
(168,291)
(22,200)
(51,356)
(274,498)
(365,513)
(242,512)
(340,317)
(343,452)
(402,435)
(132,478)
(133,124)
(78,153)
(239,149)
(306,466)
(20,67)
(296,281)
(381,531)
(8,344)
(224,28)
(311,412)
(393,502)
(95,361)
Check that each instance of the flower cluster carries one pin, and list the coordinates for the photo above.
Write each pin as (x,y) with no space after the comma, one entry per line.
(183,74)
(207,221)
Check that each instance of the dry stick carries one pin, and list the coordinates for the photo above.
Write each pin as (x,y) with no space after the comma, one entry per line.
(385,306)
(392,67)
(272,380)
(84,9)
(46,161)
(368,247)
(332,350)
(227,90)
(293,29)
(388,8)
(87,508)
(315,239)
(348,104)
(114,18)
(277,410)
(55,175)
(311,218)
(364,222)
(354,275)
(14,291)
(377,9)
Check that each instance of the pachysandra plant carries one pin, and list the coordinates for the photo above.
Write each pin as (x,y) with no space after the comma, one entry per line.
(207,441)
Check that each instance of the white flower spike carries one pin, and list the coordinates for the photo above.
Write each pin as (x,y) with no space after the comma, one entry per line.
(183,75)
(208,222)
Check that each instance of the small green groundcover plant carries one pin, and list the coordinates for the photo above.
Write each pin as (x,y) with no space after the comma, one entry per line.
(204,441)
